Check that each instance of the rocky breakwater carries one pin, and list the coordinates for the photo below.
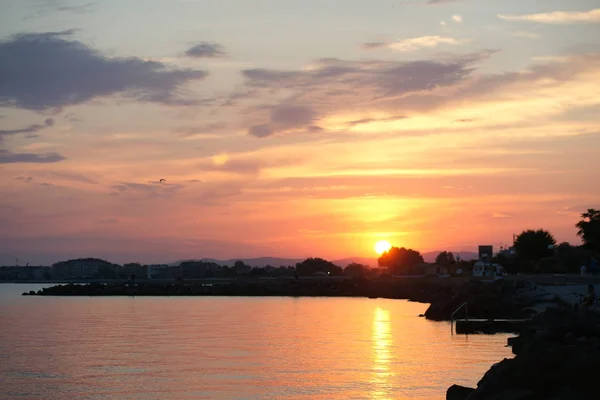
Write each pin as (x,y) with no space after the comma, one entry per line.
(419,289)
(498,299)
(557,357)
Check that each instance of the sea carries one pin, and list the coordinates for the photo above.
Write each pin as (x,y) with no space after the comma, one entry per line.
(177,348)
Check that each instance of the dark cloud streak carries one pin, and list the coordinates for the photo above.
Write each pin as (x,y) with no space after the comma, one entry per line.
(40,71)
(31,130)
(335,85)
(8,157)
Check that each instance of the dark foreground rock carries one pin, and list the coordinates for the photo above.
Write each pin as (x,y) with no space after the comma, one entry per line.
(557,359)
(501,299)
(457,392)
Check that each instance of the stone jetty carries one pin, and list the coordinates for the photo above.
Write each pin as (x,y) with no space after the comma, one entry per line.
(557,356)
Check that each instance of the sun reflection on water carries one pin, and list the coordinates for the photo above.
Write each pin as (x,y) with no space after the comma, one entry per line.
(381,340)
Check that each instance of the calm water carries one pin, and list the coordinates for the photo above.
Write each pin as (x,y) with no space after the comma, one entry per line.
(231,348)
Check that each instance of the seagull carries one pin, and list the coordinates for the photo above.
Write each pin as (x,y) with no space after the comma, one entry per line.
(162,180)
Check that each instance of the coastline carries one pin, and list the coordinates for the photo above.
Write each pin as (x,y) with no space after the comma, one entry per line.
(556,354)
(499,299)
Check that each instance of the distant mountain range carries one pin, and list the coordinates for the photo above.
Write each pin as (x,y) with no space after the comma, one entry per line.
(276,262)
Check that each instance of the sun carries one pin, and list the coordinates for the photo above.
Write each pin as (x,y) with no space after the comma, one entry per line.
(382,246)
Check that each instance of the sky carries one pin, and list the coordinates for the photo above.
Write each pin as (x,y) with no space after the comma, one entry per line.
(293,128)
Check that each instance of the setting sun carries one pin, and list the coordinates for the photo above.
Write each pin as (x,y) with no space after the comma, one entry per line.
(382,246)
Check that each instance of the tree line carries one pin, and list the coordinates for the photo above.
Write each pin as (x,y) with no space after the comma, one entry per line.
(533,251)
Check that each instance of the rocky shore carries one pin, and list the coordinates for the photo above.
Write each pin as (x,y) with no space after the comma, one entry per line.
(556,357)
(418,289)
(498,299)
(508,299)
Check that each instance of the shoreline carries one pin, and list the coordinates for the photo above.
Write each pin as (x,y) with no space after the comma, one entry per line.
(555,354)
(497,299)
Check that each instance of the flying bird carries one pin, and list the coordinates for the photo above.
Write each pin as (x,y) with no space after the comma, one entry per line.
(162,180)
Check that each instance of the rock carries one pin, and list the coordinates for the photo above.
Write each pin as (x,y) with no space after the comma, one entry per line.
(513,394)
(496,299)
(457,392)
(553,361)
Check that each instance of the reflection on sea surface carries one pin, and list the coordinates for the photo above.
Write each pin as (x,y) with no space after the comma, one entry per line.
(181,348)
(382,355)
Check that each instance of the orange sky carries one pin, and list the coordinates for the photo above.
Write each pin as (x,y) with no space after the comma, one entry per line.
(450,126)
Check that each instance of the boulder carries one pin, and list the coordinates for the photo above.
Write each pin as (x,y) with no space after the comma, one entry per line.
(553,361)
(457,392)
(485,300)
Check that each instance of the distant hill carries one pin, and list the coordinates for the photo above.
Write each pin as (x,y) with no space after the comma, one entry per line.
(276,262)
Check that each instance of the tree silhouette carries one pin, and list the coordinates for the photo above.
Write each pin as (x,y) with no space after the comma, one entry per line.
(534,245)
(356,269)
(400,261)
(589,229)
(445,258)
(312,266)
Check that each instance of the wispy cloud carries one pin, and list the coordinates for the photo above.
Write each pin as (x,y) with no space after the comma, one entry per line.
(48,71)
(441,1)
(152,189)
(500,215)
(206,50)
(284,117)
(414,43)
(526,35)
(202,130)
(31,130)
(557,17)
(30,180)
(47,7)
(325,87)
(8,157)
(457,18)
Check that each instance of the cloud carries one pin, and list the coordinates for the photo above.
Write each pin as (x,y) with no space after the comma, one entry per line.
(557,17)
(291,116)
(44,70)
(364,89)
(499,215)
(70,176)
(457,18)
(46,7)
(77,8)
(32,181)
(338,78)
(284,117)
(7,157)
(260,131)
(151,189)
(61,176)
(202,130)
(206,50)
(414,43)
(31,129)
(363,121)
(526,35)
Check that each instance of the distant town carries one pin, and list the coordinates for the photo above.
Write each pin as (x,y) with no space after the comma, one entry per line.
(397,261)
(95,269)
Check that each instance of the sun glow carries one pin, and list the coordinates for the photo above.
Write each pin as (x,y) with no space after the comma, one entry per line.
(382,246)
